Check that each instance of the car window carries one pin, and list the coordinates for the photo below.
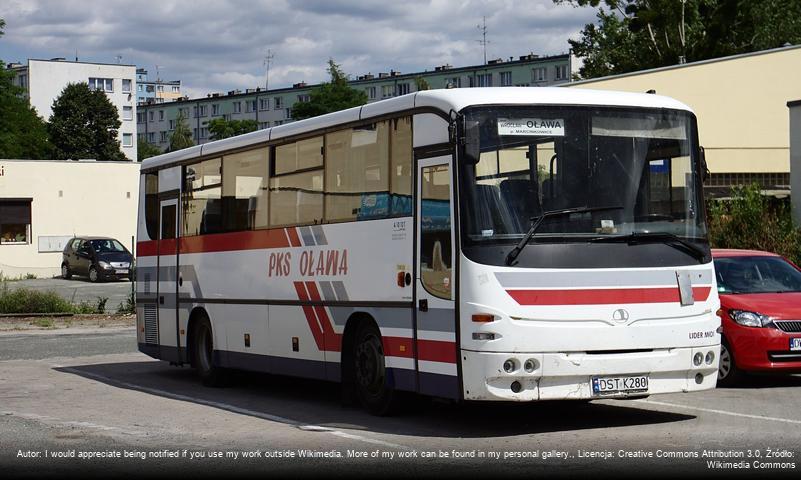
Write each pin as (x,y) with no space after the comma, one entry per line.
(76,244)
(107,245)
(756,275)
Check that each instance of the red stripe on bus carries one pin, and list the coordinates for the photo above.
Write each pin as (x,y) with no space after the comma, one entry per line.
(311,318)
(221,242)
(148,248)
(398,347)
(333,340)
(603,296)
(294,238)
(436,351)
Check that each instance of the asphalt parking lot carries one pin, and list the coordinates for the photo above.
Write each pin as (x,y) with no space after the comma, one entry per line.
(79,289)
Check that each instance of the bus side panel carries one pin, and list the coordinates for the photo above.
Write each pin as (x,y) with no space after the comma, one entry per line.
(146,277)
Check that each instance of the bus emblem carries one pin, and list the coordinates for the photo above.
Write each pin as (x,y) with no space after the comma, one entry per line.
(620,315)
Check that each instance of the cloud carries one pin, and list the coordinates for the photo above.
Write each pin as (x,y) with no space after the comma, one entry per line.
(215,46)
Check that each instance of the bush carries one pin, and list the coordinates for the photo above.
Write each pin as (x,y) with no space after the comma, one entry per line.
(752,221)
(25,300)
(129,307)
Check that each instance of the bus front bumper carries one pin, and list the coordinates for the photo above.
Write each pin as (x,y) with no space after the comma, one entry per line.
(565,376)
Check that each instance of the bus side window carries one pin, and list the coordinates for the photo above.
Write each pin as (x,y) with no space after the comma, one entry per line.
(152,205)
(401,167)
(201,203)
(244,190)
(296,188)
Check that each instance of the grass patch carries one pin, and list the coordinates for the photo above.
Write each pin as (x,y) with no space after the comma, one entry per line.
(44,323)
(26,300)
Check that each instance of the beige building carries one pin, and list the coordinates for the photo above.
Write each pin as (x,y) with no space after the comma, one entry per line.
(741,105)
(45,203)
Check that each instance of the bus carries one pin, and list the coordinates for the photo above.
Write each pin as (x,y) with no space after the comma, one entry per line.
(490,244)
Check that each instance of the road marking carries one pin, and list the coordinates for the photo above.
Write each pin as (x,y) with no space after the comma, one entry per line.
(235,409)
(720,412)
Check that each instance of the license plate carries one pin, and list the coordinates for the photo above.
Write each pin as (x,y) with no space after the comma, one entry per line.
(795,344)
(610,385)
(121,271)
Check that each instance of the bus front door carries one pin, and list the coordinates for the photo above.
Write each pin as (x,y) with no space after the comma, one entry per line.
(167,280)
(435,324)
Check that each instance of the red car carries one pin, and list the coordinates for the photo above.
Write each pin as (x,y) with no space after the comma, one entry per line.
(760,300)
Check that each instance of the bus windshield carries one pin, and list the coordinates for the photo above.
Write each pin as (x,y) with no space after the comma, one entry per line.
(626,172)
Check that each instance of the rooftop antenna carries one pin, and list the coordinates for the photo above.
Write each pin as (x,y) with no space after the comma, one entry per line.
(483,41)
(158,77)
(268,59)
(76,54)
(119,58)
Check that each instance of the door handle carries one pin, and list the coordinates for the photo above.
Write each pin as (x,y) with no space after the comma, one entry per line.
(422,305)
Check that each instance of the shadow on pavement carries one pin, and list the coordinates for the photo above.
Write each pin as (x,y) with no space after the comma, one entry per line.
(312,402)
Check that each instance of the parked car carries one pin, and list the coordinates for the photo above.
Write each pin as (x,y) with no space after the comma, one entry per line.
(760,298)
(99,258)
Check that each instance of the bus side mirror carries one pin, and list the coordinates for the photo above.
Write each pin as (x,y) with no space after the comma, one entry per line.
(704,168)
(472,147)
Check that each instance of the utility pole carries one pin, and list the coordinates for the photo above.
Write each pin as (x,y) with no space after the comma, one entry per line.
(268,59)
(483,41)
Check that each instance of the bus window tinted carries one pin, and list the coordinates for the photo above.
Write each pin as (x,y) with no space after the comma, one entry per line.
(245,190)
(201,203)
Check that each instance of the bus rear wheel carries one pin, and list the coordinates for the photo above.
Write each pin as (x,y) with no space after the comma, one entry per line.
(370,372)
(203,354)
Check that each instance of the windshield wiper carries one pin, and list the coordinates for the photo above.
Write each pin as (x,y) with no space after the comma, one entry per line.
(537,219)
(656,237)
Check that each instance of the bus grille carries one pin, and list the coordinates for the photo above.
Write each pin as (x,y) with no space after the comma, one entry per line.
(792,326)
(151,324)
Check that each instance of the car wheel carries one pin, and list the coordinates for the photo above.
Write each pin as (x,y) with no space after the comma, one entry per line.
(65,271)
(728,373)
(203,355)
(370,373)
(94,275)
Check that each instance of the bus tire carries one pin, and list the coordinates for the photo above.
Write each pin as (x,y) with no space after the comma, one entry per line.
(203,354)
(369,372)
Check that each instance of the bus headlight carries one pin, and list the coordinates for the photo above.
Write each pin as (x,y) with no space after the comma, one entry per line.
(698,359)
(509,366)
(710,357)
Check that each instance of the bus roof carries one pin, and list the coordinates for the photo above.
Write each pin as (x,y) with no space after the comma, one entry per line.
(445,100)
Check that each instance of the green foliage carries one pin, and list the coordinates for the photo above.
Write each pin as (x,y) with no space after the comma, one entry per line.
(146,150)
(84,124)
(220,128)
(23,133)
(634,35)
(25,300)
(752,221)
(421,84)
(129,307)
(331,96)
(182,135)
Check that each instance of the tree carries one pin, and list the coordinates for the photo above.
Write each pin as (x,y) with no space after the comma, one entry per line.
(633,35)
(331,96)
(22,132)
(144,150)
(182,136)
(84,124)
(220,128)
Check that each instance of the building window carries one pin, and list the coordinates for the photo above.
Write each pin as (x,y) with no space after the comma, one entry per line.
(288,113)
(102,84)
(263,125)
(204,132)
(278,103)
(160,88)
(172,124)
(386,91)
(539,74)
(250,106)
(161,115)
(176,89)
(139,88)
(126,85)
(15,221)
(402,89)
(150,89)
(204,110)
(484,80)
(370,93)
(140,118)
(454,82)
(151,115)
(304,98)
(23,81)
(237,107)
(264,104)
(151,137)
(127,139)
(127,113)
(561,72)
(506,79)
(215,109)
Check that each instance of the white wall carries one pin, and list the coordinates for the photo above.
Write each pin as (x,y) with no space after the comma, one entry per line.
(47,78)
(69,198)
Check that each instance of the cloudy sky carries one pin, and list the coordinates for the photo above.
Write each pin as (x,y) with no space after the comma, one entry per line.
(216,46)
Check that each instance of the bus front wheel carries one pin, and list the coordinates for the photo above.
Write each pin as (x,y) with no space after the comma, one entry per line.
(370,373)
(202,355)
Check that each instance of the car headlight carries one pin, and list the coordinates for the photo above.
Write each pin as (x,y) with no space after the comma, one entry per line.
(750,319)
(104,265)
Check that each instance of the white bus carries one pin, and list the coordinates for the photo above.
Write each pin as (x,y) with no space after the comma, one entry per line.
(510,244)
